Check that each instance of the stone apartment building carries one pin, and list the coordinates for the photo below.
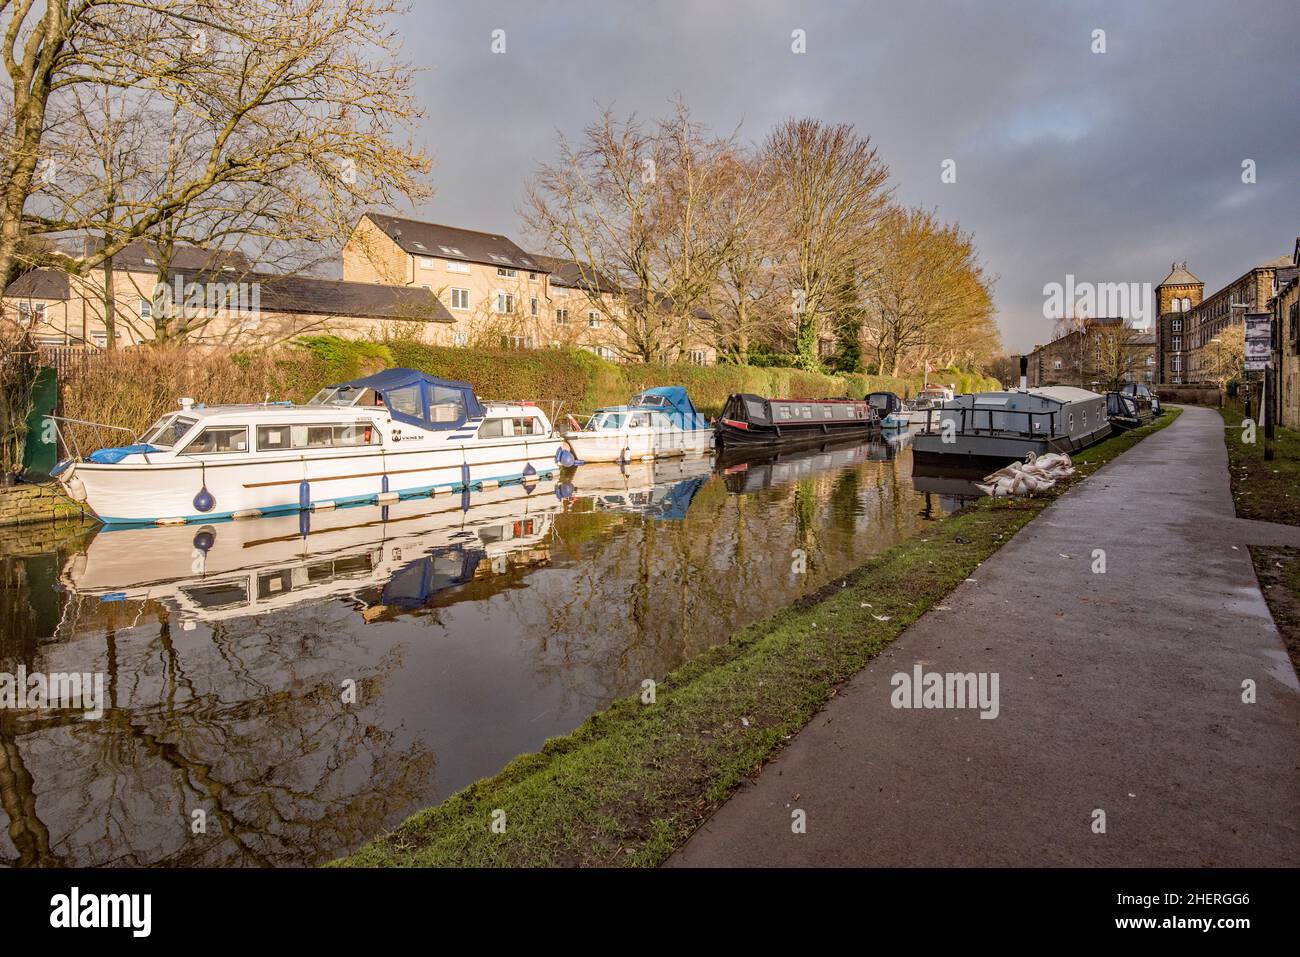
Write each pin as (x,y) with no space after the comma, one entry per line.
(1191,324)
(438,284)
(497,293)
(219,297)
(1073,359)
(1286,317)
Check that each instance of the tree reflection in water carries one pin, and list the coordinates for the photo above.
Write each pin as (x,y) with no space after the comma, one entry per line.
(470,640)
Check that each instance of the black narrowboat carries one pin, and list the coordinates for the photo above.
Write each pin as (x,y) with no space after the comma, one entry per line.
(750,420)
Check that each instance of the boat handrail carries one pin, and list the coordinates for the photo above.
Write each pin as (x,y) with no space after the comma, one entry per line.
(974,428)
(72,446)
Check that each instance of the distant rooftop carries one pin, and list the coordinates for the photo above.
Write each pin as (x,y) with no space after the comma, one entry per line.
(1179,276)
(451,242)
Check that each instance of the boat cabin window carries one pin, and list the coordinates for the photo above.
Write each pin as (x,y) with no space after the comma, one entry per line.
(219,438)
(317,435)
(505,428)
(655,400)
(606,420)
(639,420)
(828,412)
(445,405)
(755,410)
(345,395)
(168,430)
(406,400)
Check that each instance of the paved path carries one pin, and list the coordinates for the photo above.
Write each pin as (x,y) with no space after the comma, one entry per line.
(1120,691)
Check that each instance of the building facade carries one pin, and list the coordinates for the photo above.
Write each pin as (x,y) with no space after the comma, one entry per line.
(441,285)
(1286,318)
(1176,297)
(208,298)
(498,294)
(1103,349)
(1192,326)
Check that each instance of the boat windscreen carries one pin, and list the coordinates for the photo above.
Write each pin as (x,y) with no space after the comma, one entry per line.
(168,430)
(343,395)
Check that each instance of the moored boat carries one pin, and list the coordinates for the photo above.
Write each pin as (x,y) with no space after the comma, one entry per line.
(1128,410)
(657,423)
(397,433)
(749,420)
(990,429)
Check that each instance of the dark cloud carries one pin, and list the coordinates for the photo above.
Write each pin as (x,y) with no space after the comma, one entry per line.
(1108,166)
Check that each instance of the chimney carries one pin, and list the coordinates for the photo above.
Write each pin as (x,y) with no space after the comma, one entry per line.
(1024,373)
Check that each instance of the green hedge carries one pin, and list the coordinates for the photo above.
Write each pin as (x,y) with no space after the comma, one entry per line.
(583,382)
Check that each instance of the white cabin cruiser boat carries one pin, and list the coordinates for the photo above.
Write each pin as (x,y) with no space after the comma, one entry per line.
(394,434)
(657,423)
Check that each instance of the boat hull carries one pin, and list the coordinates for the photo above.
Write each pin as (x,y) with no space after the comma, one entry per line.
(758,436)
(991,452)
(246,485)
(628,445)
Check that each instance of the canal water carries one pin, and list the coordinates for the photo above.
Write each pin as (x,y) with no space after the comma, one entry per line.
(277,691)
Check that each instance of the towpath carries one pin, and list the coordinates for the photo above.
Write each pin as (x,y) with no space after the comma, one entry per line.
(1119,692)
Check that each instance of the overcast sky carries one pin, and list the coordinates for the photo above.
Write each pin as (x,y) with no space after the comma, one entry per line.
(1107,166)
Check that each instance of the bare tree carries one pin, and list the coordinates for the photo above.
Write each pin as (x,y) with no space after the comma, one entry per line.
(1113,355)
(284,115)
(832,191)
(742,307)
(633,202)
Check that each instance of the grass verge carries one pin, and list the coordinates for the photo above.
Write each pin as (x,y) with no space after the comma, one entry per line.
(1268,491)
(634,781)
(1278,570)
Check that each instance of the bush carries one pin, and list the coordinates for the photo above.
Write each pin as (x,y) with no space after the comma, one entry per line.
(132,387)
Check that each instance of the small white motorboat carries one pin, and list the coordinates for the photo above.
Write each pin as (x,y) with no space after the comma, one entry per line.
(397,433)
(657,423)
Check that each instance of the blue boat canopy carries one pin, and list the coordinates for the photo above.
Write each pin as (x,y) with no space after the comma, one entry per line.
(413,397)
(673,401)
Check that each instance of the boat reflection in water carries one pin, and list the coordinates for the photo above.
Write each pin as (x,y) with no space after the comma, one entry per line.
(954,488)
(397,555)
(472,630)
(749,471)
(658,489)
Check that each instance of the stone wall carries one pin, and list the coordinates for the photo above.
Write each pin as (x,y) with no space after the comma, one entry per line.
(26,504)
(1188,394)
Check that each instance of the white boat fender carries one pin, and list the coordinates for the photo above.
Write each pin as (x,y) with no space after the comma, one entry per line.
(76,489)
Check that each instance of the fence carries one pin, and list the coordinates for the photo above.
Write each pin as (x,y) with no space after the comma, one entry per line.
(68,361)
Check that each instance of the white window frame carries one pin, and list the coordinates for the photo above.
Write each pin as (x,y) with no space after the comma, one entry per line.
(454,266)
(507,272)
(459,298)
(505,304)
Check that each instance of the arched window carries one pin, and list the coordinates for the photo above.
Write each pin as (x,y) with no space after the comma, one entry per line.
(1187,304)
